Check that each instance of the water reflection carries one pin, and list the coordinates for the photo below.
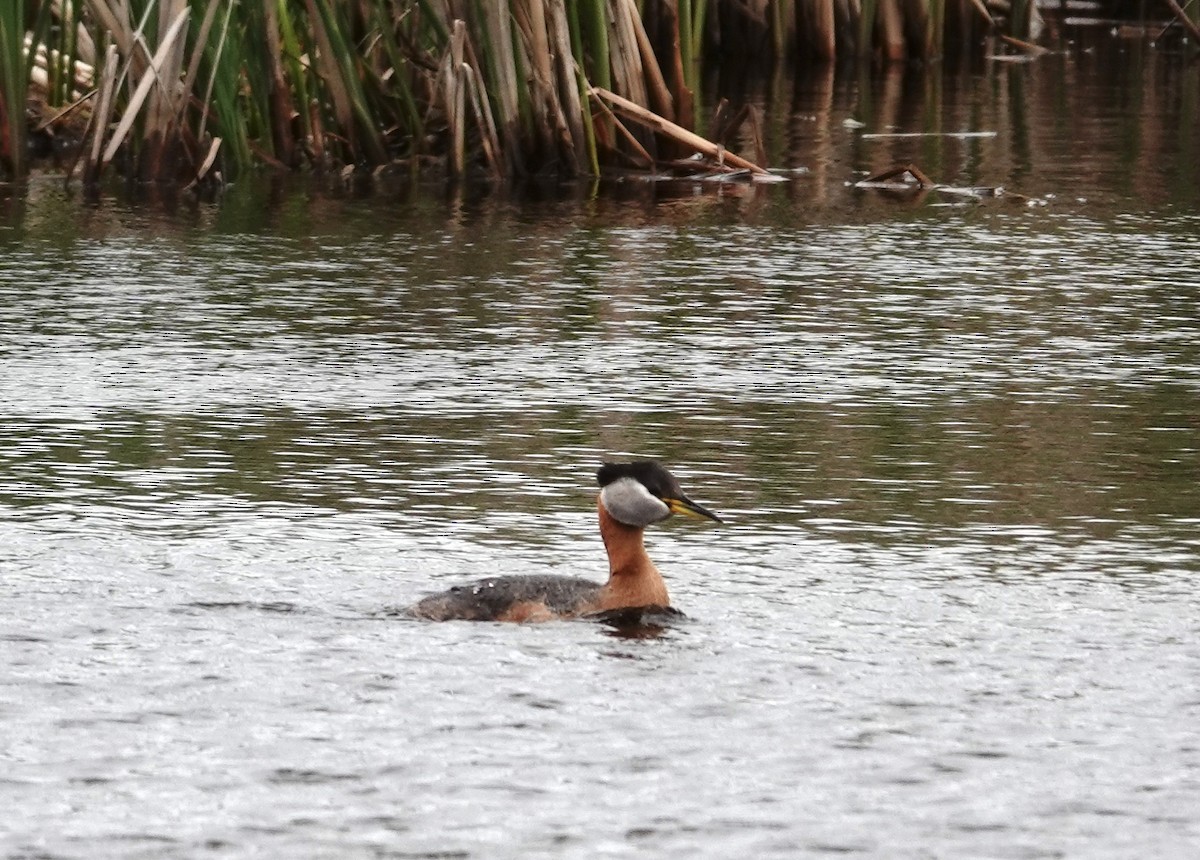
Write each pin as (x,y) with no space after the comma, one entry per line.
(1036,369)
(652,622)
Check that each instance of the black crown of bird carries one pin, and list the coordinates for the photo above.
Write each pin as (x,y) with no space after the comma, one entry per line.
(633,495)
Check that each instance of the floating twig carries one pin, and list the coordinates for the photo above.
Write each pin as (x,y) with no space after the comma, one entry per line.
(959,134)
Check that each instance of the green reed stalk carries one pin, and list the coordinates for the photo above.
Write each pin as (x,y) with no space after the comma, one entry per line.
(297,74)
(781,12)
(937,26)
(590,23)
(217,51)
(684,13)
(866,27)
(584,98)
(71,47)
(1018,18)
(223,94)
(400,78)
(59,65)
(594,18)
(14,84)
(699,11)
(340,69)
(279,93)
(434,18)
(499,63)
(689,43)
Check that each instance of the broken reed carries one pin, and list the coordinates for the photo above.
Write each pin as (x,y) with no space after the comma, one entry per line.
(172,87)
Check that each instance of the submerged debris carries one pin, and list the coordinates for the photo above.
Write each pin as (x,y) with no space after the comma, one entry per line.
(904,177)
(910,179)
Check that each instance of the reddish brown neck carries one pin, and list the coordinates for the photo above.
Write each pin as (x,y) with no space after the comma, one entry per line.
(633,580)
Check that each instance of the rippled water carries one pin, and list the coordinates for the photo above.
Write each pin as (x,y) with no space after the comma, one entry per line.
(952,613)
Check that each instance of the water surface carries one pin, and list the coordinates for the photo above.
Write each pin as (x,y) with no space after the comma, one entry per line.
(952,612)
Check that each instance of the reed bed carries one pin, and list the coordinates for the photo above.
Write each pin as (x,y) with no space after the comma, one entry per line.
(185,91)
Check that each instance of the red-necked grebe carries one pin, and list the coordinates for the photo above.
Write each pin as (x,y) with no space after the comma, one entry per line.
(632,496)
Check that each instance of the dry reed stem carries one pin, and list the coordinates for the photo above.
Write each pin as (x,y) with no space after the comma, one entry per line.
(532,16)
(118,29)
(505,71)
(919,24)
(103,114)
(327,68)
(659,98)
(483,118)
(627,134)
(1187,22)
(984,13)
(671,17)
(166,99)
(891,30)
(568,86)
(657,123)
(1025,47)
(628,75)
(320,151)
(454,98)
(205,165)
(548,121)
(210,14)
(65,112)
(279,94)
(85,47)
(144,86)
(823,32)
(754,118)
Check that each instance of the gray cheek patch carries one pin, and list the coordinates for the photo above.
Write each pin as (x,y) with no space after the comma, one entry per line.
(631,503)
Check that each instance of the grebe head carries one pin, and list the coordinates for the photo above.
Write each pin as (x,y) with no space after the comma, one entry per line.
(644,492)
